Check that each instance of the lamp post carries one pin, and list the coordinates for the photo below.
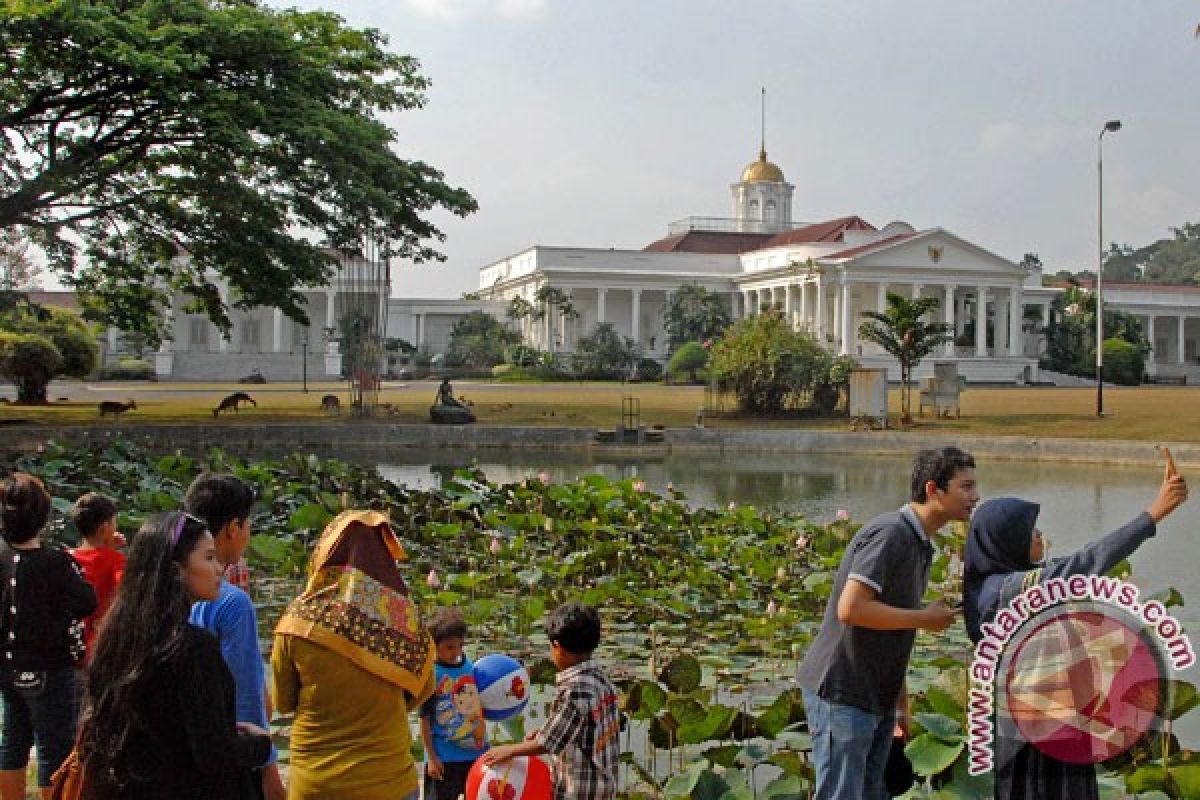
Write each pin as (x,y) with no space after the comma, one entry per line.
(1112,125)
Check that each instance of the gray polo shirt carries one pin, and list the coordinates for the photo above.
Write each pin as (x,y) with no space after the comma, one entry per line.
(863,667)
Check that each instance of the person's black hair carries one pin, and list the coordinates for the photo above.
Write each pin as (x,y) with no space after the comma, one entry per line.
(446,623)
(91,511)
(143,630)
(218,498)
(24,507)
(576,628)
(938,466)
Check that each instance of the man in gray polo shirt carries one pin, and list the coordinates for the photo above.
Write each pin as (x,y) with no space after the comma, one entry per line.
(853,674)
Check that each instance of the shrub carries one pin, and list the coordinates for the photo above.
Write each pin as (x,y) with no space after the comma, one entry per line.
(522,355)
(128,369)
(1123,362)
(649,370)
(76,348)
(479,340)
(604,354)
(29,361)
(687,360)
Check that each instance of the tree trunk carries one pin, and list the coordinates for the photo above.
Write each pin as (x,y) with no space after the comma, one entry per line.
(31,391)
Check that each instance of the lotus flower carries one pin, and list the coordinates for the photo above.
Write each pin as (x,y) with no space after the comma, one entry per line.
(545,478)
(432,580)
(772,608)
(495,546)
(801,542)
(639,486)
(843,515)
(732,506)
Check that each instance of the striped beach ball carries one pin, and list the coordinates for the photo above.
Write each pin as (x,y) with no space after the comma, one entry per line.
(519,778)
(503,686)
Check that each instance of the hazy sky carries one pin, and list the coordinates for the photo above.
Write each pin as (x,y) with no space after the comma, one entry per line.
(596,122)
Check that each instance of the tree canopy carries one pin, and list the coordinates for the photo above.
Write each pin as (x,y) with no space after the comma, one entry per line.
(695,315)
(479,340)
(138,130)
(40,343)
(1173,260)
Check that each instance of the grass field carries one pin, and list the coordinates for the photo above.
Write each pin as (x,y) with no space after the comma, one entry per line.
(1142,413)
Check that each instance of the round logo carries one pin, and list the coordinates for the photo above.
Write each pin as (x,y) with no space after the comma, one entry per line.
(1084,686)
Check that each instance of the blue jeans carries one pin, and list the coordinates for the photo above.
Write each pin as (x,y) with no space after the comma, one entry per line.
(46,719)
(850,749)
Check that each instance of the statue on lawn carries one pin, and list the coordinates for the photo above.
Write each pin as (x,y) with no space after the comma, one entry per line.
(447,409)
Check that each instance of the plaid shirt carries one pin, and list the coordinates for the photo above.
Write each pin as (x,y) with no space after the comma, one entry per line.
(583,731)
(238,574)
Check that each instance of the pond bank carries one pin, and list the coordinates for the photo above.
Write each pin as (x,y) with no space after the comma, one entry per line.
(330,436)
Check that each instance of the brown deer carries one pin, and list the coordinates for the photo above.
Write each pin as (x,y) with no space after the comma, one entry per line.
(115,407)
(330,404)
(233,401)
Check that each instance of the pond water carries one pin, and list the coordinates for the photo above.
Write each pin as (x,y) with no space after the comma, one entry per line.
(1079,502)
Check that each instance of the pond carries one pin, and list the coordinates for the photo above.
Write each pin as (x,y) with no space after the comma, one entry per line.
(1079,502)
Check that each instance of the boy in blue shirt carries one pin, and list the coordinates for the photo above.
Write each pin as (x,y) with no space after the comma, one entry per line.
(452,726)
(223,502)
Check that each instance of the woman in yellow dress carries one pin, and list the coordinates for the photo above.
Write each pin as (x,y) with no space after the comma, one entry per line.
(351,659)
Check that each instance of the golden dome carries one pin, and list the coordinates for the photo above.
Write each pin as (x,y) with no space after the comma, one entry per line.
(762,171)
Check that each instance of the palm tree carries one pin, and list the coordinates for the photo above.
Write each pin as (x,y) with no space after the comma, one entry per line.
(901,332)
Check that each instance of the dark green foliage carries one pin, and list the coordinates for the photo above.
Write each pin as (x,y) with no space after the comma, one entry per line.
(1071,334)
(29,361)
(1175,260)
(604,354)
(75,350)
(690,357)
(695,315)
(140,130)
(127,369)
(479,340)
(1123,362)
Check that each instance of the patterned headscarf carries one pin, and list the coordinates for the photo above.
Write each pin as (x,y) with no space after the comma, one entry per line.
(357,605)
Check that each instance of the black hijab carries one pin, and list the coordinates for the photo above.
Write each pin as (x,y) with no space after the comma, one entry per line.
(998,544)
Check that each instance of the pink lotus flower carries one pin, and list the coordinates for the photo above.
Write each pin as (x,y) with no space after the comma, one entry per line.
(432,580)
(843,515)
(732,506)
(495,546)
(772,608)
(639,486)
(708,344)
(801,542)
(545,478)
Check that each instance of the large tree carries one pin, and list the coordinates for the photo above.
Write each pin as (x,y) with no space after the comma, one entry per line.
(901,330)
(42,342)
(695,315)
(479,340)
(137,130)
(18,270)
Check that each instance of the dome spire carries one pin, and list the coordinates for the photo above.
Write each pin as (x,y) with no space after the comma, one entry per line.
(762,146)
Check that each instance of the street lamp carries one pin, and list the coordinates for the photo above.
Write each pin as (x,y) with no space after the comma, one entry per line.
(304,362)
(1112,125)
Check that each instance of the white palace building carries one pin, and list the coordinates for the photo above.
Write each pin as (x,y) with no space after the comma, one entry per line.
(822,275)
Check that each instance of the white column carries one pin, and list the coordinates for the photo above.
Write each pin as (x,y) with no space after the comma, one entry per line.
(788,309)
(1016,322)
(1000,327)
(276,330)
(948,308)
(420,331)
(835,313)
(980,321)
(881,297)
(961,314)
(804,321)
(916,290)
(1046,316)
(416,327)
(112,340)
(168,342)
(819,312)
(601,306)
(847,320)
(1179,355)
(747,309)
(635,318)
(330,306)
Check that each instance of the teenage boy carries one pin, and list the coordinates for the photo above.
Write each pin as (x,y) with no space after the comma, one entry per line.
(853,674)
(95,517)
(583,726)
(224,503)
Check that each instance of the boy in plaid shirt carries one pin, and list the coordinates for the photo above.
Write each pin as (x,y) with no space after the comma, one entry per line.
(583,728)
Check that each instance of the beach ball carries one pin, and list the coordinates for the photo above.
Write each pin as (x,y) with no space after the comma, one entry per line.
(503,686)
(519,778)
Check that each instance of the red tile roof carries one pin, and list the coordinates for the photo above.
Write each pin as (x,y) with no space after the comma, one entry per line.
(863,248)
(833,230)
(60,298)
(709,242)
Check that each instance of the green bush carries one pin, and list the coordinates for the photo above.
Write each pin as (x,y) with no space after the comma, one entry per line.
(648,370)
(604,354)
(685,362)
(479,340)
(128,369)
(29,361)
(1123,362)
(74,344)
(522,355)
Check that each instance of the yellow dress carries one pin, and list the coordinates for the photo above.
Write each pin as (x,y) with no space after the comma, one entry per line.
(351,736)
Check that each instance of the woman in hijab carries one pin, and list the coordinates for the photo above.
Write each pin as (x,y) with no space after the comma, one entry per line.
(351,659)
(1006,554)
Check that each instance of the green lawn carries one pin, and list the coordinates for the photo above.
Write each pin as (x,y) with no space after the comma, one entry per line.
(1157,413)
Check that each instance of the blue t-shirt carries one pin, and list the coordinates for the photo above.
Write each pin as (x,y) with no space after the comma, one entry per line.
(455,714)
(232,620)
